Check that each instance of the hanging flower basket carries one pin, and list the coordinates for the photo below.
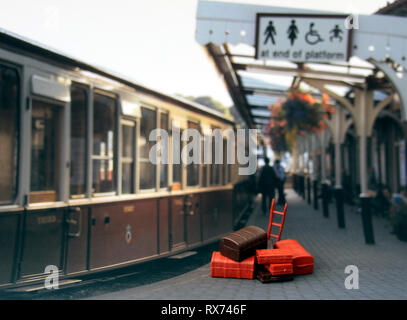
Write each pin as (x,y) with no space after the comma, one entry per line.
(298,114)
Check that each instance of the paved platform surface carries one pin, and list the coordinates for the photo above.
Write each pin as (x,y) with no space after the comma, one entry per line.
(382,267)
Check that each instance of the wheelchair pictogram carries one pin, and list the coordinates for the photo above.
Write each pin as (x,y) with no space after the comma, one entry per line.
(312,36)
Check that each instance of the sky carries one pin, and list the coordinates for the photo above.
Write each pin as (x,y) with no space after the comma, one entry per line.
(149,41)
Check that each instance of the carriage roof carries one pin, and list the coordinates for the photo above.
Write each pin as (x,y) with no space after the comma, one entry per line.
(28,47)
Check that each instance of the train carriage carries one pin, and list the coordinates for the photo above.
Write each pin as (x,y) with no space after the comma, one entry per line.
(77,189)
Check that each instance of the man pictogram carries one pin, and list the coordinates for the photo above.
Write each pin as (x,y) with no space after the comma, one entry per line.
(270,32)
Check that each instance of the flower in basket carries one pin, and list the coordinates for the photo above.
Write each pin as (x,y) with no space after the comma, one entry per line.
(277,133)
(298,114)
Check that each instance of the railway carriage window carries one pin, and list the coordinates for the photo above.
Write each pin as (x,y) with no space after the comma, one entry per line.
(229,166)
(229,169)
(193,168)
(104,129)
(45,151)
(78,141)
(177,163)
(9,133)
(215,168)
(205,167)
(164,167)
(147,169)
(128,140)
(225,163)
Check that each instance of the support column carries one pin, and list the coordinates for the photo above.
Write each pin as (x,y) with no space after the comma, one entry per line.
(302,175)
(364,101)
(301,183)
(364,113)
(298,168)
(324,183)
(338,127)
(294,168)
(314,170)
(308,172)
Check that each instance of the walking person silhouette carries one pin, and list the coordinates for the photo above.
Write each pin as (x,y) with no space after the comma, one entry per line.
(267,185)
(270,32)
(292,32)
(280,174)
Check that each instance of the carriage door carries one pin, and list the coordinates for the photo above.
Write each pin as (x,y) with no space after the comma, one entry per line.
(177,235)
(44,227)
(191,201)
(185,221)
(77,217)
(193,219)
(177,225)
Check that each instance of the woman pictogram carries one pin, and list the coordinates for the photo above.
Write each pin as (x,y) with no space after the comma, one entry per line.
(292,32)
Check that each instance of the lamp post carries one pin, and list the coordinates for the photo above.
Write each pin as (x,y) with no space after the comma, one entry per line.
(324,185)
(314,170)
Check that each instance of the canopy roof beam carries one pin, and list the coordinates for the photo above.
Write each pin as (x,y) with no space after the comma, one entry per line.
(233,85)
(303,72)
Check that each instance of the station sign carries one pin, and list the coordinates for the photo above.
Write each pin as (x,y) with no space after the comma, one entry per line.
(302,37)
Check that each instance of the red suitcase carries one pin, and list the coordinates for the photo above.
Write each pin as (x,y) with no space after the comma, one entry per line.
(264,276)
(275,256)
(303,269)
(303,261)
(279,269)
(224,267)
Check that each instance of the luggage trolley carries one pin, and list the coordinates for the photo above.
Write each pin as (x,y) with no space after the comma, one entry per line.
(279,225)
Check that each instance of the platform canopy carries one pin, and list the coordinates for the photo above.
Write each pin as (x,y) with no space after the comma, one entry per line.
(228,32)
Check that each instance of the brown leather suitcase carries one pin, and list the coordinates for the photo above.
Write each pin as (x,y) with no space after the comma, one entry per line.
(242,244)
